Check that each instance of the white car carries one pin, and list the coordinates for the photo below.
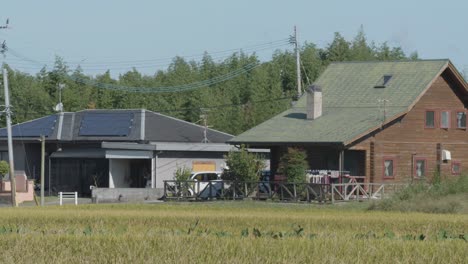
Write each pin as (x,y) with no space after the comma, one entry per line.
(202,181)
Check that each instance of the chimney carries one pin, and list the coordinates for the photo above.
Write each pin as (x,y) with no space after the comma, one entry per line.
(314,102)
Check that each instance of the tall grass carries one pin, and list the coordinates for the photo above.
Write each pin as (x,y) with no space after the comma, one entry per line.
(445,196)
(228,232)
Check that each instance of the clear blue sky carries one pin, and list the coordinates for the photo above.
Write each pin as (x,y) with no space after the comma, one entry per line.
(103,34)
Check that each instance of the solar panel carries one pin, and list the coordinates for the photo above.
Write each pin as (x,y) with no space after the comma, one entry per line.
(106,124)
(43,126)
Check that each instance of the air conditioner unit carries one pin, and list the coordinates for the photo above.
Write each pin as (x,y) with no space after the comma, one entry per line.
(446,155)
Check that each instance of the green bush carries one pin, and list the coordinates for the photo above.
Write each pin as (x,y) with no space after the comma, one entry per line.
(243,165)
(4,168)
(182,174)
(444,196)
(293,165)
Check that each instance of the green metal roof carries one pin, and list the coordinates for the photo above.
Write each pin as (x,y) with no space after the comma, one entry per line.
(351,103)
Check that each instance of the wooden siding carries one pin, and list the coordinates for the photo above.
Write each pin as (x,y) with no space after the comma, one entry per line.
(408,139)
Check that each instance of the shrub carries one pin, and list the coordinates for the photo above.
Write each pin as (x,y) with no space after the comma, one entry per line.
(4,168)
(243,165)
(182,174)
(442,196)
(293,165)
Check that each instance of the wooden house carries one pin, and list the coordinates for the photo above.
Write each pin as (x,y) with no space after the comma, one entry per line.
(397,121)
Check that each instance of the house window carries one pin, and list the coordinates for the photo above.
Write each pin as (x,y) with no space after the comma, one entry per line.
(456,168)
(430,119)
(420,167)
(383,81)
(4,155)
(461,119)
(445,119)
(389,167)
(386,79)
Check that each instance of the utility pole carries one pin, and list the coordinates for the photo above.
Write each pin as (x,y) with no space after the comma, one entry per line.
(42,168)
(10,140)
(8,121)
(293,40)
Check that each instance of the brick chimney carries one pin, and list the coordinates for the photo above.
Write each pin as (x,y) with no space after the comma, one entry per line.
(314,102)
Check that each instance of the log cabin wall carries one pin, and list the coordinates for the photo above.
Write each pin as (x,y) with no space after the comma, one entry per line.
(408,140)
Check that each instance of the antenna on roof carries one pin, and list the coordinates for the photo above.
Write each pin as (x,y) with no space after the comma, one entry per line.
(204,117)
(384,101)
(59,107)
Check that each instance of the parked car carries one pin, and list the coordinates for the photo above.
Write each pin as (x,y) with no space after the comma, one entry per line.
(202,184)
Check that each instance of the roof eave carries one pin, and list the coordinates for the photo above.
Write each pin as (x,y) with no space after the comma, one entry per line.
(458,77)
(284,143)
(373,129)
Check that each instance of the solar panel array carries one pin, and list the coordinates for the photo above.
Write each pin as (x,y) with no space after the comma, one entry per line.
(36,128)
(106,124)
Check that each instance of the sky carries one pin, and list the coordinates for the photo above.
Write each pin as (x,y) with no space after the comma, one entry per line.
(119,34)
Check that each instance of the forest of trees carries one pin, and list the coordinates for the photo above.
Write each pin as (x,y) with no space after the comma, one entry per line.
(232,106)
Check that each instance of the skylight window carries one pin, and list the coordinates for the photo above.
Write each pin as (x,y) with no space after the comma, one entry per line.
(382,83)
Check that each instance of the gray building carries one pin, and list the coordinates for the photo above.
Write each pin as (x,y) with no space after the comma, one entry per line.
(113,149)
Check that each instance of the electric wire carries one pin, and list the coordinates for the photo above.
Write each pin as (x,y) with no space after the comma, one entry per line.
(40,65)
(152,62)
(161,89)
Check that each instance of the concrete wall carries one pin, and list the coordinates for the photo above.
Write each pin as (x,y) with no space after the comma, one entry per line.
(108,195)
(168,162)
(119,169)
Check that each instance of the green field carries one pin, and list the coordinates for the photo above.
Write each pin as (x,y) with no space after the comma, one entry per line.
(229,232)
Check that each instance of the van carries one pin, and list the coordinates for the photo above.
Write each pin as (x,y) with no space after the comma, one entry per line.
(202,181)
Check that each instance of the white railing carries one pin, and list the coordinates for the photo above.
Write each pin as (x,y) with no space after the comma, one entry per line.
(316,178)
(282,191)
(68,196)
(361,191)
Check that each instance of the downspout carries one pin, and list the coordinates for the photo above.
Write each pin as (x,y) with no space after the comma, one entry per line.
(50,169)
(154,166)
(142,125)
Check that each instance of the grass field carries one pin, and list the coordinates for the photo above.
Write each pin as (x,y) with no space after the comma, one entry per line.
(229,232)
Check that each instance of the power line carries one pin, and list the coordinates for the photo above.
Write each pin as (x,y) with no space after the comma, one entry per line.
(223,105)
(26,65)
(162,89)
(168,110)
(156,61)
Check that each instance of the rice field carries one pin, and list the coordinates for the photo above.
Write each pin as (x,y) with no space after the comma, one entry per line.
(229,232)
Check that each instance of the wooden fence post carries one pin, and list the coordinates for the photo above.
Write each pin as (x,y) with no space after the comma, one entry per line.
(333,193)
(295,192)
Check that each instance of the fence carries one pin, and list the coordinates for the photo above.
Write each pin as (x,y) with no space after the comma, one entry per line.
(68,196)
(363,191)
(282,191)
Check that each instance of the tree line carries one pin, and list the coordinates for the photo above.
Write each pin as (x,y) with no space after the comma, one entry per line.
(232,106)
